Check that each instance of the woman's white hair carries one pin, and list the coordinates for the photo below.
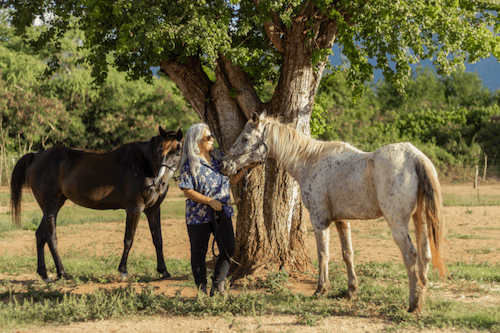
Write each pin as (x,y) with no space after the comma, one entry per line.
(191,151)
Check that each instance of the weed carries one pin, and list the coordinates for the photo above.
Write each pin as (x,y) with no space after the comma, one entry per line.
(484,250)
(308,319)
(459,236)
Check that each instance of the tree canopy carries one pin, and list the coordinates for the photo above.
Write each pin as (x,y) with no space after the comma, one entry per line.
(142,33)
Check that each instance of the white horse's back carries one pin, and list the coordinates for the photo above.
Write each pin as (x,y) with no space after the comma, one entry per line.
(353,184)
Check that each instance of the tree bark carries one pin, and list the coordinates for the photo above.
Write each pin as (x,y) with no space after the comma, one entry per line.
(270,233)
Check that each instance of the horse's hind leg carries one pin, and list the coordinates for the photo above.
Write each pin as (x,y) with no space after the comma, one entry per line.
(399,229)
(424,253)
(41,239)
(322,233)
(46,233)
(153,215)
(344,231)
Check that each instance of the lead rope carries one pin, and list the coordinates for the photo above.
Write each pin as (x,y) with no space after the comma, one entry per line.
(217,234)
(216,225)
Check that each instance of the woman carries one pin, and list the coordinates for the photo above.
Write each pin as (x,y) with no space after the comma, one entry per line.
(207,189)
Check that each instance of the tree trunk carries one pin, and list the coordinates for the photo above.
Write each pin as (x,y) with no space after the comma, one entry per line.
(270,233)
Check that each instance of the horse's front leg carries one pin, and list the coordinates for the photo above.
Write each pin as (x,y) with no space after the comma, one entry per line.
(133,215)
(344,231)
(154,220)
(322,233)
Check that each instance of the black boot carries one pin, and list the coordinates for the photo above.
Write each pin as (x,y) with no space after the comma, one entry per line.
(217,288)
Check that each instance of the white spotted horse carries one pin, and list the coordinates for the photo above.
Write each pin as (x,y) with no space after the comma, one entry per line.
(339,182)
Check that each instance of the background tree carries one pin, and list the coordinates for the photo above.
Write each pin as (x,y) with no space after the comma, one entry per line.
(247,43)
(66,108)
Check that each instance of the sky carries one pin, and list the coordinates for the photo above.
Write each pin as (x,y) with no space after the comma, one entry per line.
(488,69)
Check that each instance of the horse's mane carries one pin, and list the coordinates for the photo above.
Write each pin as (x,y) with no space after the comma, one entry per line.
(291,146)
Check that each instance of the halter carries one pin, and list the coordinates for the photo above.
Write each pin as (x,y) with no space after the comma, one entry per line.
(264,158)
(263,161)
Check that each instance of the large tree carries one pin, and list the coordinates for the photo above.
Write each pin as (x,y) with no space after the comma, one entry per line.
(247,43)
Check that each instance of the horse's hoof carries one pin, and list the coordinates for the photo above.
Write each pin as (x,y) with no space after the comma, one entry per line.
(124,276)
(350,294)
(47,280)
(320,292)
(165,275)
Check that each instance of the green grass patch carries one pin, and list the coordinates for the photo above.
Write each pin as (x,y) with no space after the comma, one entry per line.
(483,250)
(68,215)
(378,233)
(459,236)
(486,228)
(453,200)
(383,293)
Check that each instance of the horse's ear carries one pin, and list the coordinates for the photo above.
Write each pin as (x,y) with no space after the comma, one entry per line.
(179,135)
(162,132)
(256,117)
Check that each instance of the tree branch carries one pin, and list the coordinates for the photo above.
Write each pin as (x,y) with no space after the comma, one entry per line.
(246,97)
(272,29)
(191,80)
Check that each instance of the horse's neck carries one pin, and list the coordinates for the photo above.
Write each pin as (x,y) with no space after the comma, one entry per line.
(289,156)
(300,156)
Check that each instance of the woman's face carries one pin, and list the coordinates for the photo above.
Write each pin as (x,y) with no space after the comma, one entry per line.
(206,144)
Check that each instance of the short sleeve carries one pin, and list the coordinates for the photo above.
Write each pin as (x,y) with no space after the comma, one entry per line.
(186,180)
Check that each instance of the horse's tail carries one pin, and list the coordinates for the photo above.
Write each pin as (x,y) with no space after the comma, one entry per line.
(18,181)
(430,202)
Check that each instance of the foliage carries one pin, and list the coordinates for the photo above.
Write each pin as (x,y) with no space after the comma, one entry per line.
(455,132)
(140,35)
(65,108)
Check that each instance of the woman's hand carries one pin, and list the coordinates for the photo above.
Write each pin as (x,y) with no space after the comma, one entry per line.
(198,197)
(216,205)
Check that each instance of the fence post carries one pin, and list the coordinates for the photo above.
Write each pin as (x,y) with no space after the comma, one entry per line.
(485,166)
(475,176)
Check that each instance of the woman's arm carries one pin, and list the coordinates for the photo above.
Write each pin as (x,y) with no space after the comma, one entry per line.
(234,179)
(203,199)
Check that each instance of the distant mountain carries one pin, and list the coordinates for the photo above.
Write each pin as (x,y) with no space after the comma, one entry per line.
(488,70)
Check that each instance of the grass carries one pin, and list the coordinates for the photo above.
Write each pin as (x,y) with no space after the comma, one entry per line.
(383,287)
(483,250)
(470,200)
(30,219)
(382,294)
(459,236)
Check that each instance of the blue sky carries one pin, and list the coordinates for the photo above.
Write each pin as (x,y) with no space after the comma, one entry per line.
(488,69)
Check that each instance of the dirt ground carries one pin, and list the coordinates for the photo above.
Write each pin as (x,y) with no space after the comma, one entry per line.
(473,234)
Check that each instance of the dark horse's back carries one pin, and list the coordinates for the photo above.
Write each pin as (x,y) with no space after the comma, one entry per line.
(93,179)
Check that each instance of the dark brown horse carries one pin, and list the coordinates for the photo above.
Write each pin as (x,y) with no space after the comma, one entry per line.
(133,177)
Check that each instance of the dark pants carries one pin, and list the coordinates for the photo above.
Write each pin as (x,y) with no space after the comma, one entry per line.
(199,236)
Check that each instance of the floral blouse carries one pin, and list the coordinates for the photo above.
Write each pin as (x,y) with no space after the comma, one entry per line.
(210,182)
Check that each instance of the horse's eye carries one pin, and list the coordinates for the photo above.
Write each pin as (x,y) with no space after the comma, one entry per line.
(245,140)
